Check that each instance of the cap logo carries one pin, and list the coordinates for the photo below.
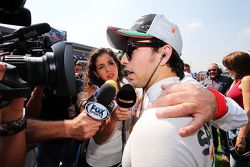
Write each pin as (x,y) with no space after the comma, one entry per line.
(139,22)
(146,26)
(143,24)
(173,30)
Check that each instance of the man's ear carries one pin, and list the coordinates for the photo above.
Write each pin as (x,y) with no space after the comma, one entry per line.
(167,51)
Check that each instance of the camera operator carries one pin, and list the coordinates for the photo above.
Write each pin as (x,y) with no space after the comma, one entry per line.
(11,145)
(81,127)
(56,130)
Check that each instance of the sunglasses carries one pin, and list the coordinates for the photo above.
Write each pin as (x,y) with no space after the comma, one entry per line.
(211,70)
(132,45)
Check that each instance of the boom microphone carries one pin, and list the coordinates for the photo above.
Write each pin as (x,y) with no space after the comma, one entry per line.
(126,97)
(27,32)
(99,105)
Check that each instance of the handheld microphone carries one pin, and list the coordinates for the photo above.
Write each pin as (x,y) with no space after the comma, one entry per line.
(99,105)
(28,32)
(126,97)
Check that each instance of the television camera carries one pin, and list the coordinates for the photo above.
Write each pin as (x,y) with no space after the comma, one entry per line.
(30,62)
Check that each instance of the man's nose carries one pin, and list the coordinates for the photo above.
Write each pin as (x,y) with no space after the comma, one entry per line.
(124,59)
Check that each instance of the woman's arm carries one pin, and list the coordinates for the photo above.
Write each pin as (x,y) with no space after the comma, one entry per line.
(245,88)
(108,126)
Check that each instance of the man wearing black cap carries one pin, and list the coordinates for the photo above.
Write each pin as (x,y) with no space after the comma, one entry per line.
(155,43)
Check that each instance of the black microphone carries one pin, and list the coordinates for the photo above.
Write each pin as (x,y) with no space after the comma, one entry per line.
(126,97)
(28,32)
(99,105)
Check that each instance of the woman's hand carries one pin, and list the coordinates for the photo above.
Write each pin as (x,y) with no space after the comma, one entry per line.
(240,144)
(120,114)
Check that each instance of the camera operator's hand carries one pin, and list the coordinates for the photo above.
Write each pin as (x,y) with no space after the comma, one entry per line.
(82,127)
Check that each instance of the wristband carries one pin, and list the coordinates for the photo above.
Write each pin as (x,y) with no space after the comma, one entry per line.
(13,128)
(83,103)
(221,104)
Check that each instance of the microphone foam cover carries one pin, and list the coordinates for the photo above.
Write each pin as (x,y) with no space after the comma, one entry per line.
(113,83)
(126,97)
(106,93)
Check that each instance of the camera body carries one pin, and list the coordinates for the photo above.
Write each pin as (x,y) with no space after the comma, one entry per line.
(32,62)
(30,59)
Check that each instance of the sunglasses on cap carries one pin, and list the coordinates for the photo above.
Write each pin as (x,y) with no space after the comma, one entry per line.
(132,45)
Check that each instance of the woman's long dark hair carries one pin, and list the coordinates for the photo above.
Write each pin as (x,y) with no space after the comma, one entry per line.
(92,79)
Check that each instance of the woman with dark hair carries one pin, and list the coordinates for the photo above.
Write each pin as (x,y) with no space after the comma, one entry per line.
(237,64)
(105,148)
(94,71)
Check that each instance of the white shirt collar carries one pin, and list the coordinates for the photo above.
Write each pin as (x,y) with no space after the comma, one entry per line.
(155,90)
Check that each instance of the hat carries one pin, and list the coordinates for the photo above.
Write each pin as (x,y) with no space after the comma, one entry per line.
(147,27)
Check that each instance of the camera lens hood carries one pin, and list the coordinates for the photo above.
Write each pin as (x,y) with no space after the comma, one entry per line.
(65,76)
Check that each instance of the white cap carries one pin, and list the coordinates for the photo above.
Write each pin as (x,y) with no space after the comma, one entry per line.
(147,27)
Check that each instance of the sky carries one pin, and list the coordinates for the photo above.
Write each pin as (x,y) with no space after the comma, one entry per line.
(210,29)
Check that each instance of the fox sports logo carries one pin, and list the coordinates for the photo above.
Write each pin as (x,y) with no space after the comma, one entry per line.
(97,111)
